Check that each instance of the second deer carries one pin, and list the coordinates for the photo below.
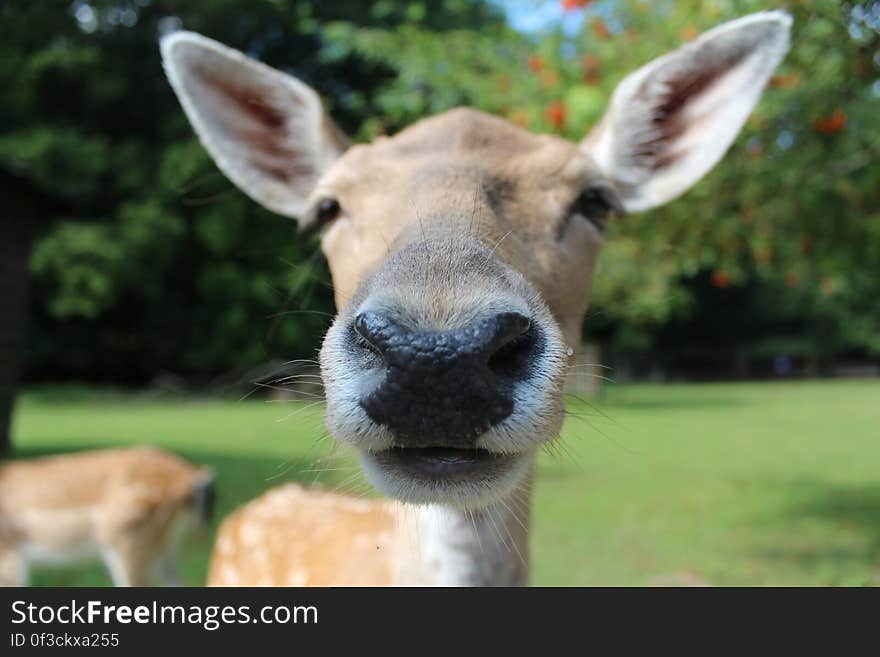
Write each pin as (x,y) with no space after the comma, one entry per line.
(127,507)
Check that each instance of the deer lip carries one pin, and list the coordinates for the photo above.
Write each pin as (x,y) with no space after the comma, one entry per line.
(442,462)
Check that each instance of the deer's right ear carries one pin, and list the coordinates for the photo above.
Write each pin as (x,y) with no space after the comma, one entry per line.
(266,130)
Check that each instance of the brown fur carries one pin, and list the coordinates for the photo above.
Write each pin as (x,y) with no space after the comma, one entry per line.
(292,536)
(124,505)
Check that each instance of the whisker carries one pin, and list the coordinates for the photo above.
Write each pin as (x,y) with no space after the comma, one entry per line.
(498,243)
(579,365)
(285,313)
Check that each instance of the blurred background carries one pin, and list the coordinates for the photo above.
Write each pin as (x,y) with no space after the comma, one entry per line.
(729,431)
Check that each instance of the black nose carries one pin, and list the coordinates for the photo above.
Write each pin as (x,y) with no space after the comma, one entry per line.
(446,388)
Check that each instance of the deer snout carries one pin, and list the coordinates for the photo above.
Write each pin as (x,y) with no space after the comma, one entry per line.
(446,388)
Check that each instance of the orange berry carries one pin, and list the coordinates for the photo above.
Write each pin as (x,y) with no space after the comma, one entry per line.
(569,5)
(599,28)
(555,114)
(720,279)
(536,63)
(832,124)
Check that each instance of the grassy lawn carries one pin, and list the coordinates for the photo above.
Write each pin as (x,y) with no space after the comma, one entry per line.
(725,484)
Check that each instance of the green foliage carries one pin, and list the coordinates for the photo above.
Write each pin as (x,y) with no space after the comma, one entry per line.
(93,262)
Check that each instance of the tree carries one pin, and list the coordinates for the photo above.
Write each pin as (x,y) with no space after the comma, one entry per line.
(25,207)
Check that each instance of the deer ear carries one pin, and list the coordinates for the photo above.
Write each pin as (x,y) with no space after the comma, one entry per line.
(671,121)
(266,130)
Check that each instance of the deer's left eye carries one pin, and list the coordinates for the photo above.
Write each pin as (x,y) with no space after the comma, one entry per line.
(595,205)
(324,212)
(328,209)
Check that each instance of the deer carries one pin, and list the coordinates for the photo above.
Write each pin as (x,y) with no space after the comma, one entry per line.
(128,507)
(461,251)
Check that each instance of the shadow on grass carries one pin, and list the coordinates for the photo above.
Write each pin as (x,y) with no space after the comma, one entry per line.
(240,478)
(848,517)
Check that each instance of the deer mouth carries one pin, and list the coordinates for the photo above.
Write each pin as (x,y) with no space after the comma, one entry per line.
(446,462)
(467,477)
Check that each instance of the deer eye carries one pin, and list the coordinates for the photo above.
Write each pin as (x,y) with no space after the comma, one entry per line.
(326,211)
(595,205)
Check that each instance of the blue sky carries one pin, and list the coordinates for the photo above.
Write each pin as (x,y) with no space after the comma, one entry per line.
(531,15)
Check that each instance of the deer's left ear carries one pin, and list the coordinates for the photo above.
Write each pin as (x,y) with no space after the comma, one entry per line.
(671,121)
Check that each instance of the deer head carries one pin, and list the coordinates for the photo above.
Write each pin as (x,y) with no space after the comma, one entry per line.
(462,249)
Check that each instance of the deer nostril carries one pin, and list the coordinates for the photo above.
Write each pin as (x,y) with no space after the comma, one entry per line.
(369,331)
(360,326)
(513,346)
(510,327)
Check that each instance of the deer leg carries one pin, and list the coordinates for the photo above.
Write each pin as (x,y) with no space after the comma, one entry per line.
(13,568)
(126,569)
(169,572)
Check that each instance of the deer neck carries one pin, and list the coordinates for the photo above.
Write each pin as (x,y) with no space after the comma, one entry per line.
(440,545)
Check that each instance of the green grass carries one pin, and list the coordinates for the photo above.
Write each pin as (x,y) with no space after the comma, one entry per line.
(726,484)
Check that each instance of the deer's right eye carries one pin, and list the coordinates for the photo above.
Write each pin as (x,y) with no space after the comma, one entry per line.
(594,205)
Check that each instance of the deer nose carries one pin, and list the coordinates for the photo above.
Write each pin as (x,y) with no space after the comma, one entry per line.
(446,388)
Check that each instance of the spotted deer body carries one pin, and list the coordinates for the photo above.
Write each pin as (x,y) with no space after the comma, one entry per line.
(126,507)
(462,252)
